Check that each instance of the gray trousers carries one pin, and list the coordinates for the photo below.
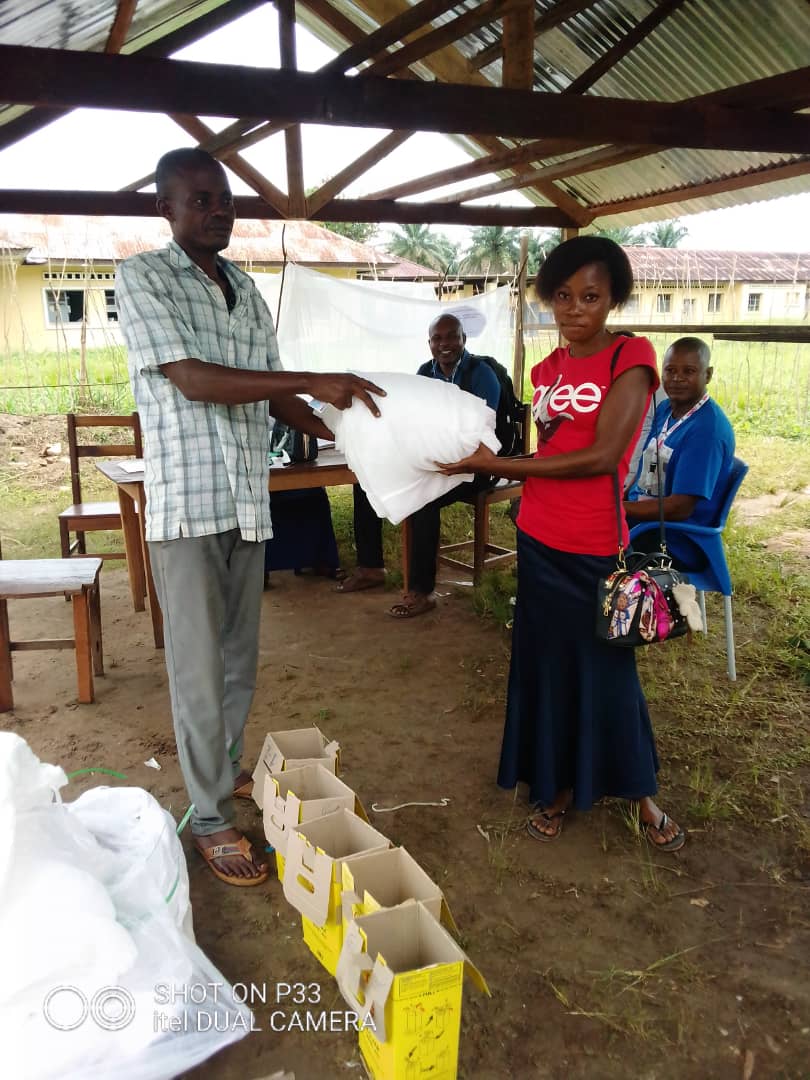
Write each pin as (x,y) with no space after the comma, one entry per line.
(210,592)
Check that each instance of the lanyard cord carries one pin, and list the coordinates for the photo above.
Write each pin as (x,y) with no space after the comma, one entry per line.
(666,430)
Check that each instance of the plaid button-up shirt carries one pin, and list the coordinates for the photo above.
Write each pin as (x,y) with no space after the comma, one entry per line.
(205,465)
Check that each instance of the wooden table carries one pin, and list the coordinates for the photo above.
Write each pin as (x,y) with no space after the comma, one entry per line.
(329,469)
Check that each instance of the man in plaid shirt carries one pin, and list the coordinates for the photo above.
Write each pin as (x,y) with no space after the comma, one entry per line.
(205,372)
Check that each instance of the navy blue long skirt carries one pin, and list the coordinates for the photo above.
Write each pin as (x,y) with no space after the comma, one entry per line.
(302,531)
(575,716)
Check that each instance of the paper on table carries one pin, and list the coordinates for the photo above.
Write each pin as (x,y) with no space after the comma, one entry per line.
(133,465)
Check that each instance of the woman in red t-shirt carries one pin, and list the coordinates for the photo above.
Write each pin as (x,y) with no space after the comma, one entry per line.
(577,727)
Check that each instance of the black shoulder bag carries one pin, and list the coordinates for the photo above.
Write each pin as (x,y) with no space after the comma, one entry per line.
(299,446)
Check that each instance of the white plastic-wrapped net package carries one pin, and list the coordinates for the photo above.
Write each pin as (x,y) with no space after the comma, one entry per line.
(422,421)
(95,936)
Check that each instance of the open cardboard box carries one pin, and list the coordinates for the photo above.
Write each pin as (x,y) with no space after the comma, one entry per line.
(283,750)
(313,881)
(384,879)
(402,973)
(299,795)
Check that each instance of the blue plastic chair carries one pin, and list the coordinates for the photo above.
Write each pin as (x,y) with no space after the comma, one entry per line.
(709,538)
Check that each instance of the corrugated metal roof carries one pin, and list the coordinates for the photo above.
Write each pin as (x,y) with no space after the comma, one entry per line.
(703,46)
(682,265)
(109,239)
(405,270)
(85,26)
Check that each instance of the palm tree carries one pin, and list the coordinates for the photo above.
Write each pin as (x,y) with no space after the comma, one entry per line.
(624,235)
(419,244)
(493,249)
(363,232)
(666,234)
(540,246)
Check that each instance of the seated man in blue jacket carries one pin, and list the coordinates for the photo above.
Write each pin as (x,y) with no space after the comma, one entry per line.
(695,454)
(452,363)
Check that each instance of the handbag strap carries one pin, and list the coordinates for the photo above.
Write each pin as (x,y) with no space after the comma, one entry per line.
(615,477)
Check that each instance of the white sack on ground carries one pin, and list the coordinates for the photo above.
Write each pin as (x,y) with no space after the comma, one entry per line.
(96,967)
(422,421)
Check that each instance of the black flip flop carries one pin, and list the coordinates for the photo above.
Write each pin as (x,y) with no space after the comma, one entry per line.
(536,833)
(675,844)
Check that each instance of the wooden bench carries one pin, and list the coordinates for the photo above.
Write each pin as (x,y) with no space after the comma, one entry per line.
(485,555)
(75,579)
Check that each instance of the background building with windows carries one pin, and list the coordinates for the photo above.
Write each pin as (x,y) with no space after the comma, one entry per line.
(57,274)
(676,286)
(681,286)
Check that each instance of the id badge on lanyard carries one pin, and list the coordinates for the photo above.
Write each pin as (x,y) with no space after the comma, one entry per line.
(651,463)
(656,447)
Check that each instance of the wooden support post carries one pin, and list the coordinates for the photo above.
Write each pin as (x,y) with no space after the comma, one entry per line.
(518,47)
(292,135)
(567,234)
(520,348)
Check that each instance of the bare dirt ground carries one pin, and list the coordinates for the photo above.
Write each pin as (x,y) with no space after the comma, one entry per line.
(605,959)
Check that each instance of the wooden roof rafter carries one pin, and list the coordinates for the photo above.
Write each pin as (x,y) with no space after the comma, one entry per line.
(444,35)
(792,88)
(120,27)
(142,204)
(150,85)
(560,13)
(547,174)
(641,30)
(749,179)
(523,133)
(226,144)
(38,118)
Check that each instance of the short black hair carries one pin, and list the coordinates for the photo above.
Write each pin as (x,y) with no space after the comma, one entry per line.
(178,161)
(692,344)
(577,252)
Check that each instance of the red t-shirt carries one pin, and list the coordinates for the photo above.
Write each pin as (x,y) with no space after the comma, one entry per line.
(578,514)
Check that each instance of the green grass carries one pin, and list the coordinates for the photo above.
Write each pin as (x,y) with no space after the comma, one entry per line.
(46,382)
(764,387)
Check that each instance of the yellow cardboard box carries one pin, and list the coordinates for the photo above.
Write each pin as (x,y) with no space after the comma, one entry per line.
(283,750)
(313,882)
(402,973)
(383,879)
(298,795)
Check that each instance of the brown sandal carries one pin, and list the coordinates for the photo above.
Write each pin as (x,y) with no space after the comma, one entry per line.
(221,851)
(357,581)
(548,819)
(411,605)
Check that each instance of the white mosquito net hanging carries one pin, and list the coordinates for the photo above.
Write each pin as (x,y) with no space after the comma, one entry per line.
(330,324)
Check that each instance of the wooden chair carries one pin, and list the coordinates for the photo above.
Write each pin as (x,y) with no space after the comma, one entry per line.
(486,555)
(81,517)
(75,579)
